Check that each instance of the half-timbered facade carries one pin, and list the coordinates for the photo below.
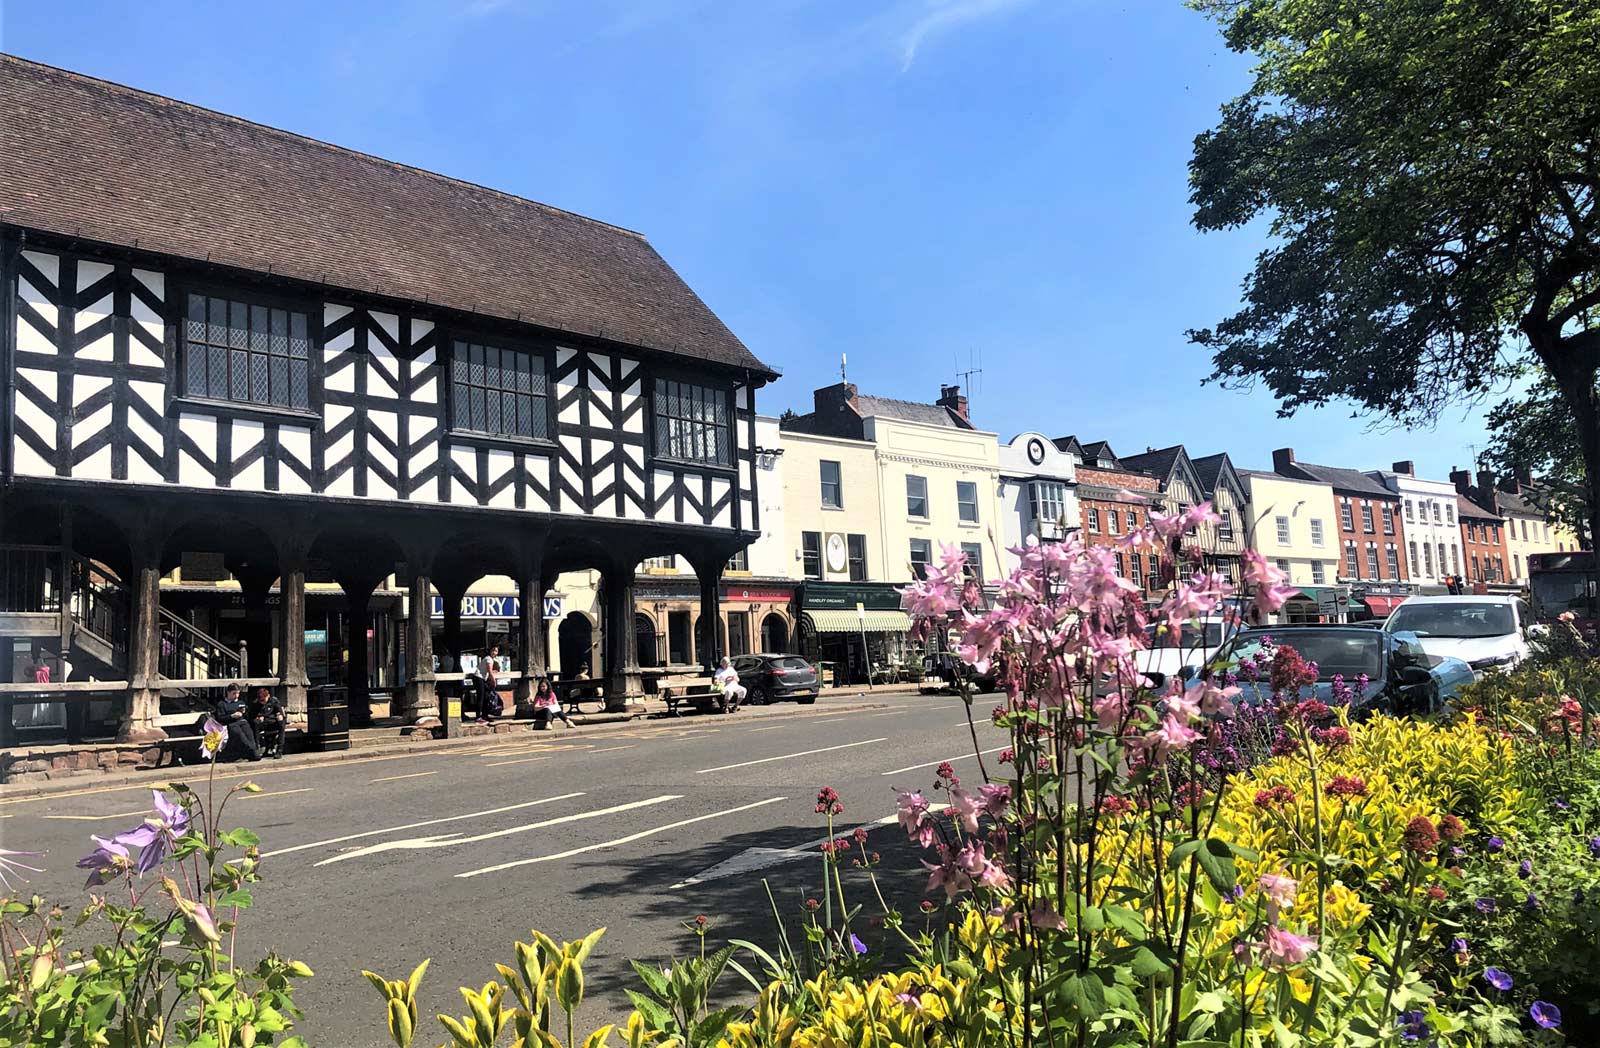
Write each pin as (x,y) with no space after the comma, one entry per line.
(221,338)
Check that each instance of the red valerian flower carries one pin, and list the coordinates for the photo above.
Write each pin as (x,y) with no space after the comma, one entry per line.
(1334,738)
(1437,894)
(1451,829)
(828,802)
(1420,837)
(1347,786)
(1117,805)
(947,773)
(1275,795)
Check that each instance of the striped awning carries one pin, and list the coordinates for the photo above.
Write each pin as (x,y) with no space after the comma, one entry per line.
(841,621)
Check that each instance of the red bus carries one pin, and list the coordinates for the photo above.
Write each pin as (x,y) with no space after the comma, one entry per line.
(1563,582)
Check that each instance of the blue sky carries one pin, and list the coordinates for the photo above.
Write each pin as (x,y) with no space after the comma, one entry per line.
(916,183)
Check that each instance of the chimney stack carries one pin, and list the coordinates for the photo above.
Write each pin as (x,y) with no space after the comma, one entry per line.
(1406,467)
(830,400)
(1282,459)
(1486,487)
(1515,482)
(950,397)
(1462,480)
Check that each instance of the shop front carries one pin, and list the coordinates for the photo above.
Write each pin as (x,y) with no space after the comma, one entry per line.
(757,616)
(856,631)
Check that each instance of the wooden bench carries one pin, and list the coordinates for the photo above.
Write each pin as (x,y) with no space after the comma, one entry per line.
(573,692)
(699,690)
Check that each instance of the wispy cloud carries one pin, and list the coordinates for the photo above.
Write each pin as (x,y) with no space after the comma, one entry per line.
(942,16)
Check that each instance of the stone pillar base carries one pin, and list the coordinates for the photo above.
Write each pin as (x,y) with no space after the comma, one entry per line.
(623,687)
(421,701)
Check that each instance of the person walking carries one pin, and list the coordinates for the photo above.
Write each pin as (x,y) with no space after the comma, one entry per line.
(235,716)
(733,692)
(547,707)
(490,705)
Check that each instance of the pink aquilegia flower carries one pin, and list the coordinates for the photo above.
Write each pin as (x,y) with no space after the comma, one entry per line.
(947,875)
(995,796)
(1215,701)
(1109,711)
(963,809)
(1282,949)
(977,865)
(214,736)
(1267,581)
(913,816)
(1171,735)
(1043,915)
(1279,891)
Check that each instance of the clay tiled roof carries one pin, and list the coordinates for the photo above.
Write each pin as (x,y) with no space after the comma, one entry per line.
(1349,480)
(1156,462)
(86,158)
(1467,509)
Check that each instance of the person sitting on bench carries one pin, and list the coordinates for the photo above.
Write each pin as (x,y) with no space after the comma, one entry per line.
(547,707)
(235,716)
(727,678)
(266,718)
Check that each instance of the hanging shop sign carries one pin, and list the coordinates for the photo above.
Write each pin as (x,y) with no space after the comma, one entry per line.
(481,607)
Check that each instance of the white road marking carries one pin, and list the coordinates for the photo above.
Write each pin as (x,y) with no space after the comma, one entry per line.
(935,764)
(613,749)
(620,840)
(417,825)
(413,775)
(752,859)
(272,793)
(450,839)
(774,727)
(523,760)
(789,756)
(100,818)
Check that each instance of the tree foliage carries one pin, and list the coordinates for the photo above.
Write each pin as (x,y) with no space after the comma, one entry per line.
(1430,175)
(1535,434)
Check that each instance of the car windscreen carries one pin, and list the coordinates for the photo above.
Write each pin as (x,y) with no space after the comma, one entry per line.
(1453,619)
(1346,653)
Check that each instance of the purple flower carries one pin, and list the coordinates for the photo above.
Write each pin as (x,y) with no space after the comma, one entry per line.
(1594,847)
(108,861)
(1496,845)
(1456,853)
(1485,905)
(1497,978)
(1531,903)
(1458,945)
(1414,1026)
(9,865)
(214,736)
(857,945)
(1545,1014)
(155,837)
(1525,869)
(1561,804)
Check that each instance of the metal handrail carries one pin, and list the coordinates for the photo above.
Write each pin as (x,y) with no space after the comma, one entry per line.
(99,601)
(190,653)
(28,581)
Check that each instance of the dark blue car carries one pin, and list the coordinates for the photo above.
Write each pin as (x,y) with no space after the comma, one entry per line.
(1401,677)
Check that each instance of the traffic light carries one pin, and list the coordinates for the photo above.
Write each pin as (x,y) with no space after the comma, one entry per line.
(1453,584)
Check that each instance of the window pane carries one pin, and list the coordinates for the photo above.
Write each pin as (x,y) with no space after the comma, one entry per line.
(195,378)
(217,365)
(258,378)
(299,384)
(239,375)
(280,380)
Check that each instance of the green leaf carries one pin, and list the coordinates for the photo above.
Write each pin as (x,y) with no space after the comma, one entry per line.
(239,897)
(1084,994)
(655,1016)
(1148,963)
(243,838)
(654,978)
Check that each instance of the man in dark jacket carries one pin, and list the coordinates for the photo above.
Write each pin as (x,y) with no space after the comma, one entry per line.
(235,716)
(267,719)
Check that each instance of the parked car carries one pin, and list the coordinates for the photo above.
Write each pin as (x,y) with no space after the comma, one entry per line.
(1484,632)
(771,678)
(1402,677)
(1193,645)
(939,671)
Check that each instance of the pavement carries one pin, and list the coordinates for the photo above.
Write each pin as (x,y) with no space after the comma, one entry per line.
(379,859)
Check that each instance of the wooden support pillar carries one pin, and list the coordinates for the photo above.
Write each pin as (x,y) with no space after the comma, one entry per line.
(292,634)
(451,597)
(143,703)
(77,712)
(358,616)
(623,679)
(421,703)
(530,632)
(712,643)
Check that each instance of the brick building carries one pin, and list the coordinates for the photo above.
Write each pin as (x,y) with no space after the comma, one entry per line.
(1483,546)
(1371,537)
(1113,500)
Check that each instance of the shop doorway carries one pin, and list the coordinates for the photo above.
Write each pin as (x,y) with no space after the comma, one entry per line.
(678,653)
(738,633)
(644,632)
(576,639)
(774,634)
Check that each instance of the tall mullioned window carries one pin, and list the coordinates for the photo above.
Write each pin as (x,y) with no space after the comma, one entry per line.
(498,390)
(246,352)
(692,423)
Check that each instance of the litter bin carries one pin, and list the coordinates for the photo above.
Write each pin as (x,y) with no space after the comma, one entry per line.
(327,719)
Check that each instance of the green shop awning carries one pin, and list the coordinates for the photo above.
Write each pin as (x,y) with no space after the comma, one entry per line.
(841,621)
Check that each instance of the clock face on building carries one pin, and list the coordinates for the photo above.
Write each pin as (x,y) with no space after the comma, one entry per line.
(1036,451)
(838,558)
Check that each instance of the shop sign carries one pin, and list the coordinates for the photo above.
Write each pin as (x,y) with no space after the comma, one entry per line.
(756,593)
(554,605)
(846,595)
(317,655)
(481,607)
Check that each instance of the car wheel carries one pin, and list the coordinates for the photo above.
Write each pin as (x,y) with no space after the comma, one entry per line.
(763,695)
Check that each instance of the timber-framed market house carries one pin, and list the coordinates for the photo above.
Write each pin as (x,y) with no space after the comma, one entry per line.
(233,350)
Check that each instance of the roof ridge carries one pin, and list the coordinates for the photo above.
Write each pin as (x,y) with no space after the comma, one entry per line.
(101,82)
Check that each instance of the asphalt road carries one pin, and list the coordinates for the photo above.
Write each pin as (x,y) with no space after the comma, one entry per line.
(377,863)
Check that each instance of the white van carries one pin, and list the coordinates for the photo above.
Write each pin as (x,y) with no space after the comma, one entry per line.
(1193,646)
(1484,632)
